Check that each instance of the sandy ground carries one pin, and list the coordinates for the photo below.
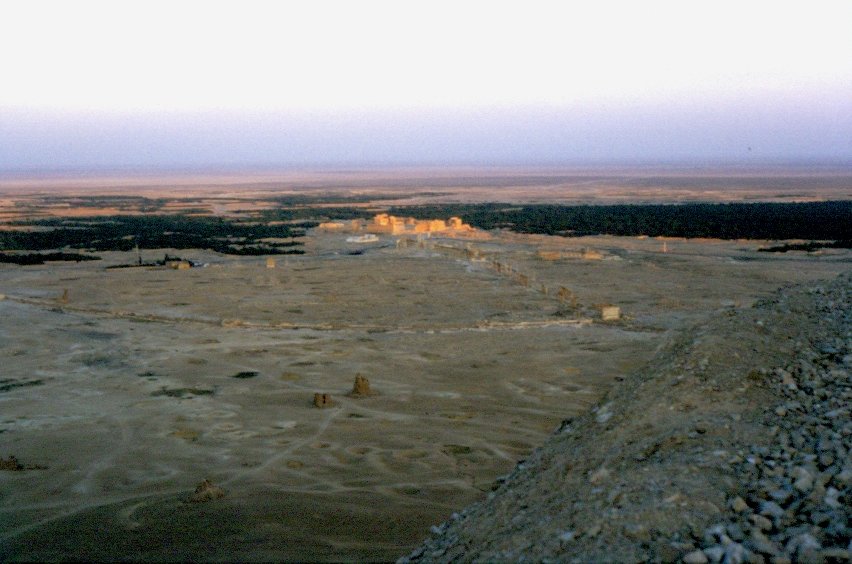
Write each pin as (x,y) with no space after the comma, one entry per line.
(231,192)
(122,399)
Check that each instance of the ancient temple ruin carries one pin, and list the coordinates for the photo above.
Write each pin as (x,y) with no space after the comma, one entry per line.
(361,388)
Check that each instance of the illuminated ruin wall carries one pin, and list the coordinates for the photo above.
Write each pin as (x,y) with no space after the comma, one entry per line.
(389,224)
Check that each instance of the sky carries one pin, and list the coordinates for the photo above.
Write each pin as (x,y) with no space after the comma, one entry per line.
(92,84)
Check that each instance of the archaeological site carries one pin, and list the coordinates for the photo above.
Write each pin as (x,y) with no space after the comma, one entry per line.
(512,368)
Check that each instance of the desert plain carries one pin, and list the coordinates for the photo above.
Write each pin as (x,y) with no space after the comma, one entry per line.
(123,389)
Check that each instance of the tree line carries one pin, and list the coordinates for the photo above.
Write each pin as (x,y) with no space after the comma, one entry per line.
(124,233)
(830,220)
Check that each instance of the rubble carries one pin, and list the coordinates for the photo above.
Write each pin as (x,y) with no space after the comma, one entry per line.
(734,445)
(206,491)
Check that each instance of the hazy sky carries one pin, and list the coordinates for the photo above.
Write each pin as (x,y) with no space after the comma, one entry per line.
(152,84)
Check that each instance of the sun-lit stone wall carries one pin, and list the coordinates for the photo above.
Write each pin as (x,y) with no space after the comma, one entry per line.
(384,223)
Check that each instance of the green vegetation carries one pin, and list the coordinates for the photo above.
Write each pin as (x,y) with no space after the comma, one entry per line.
(809,246)
(275,231)
(183,392)
(813,220)
(7,384)
(41,258)
(166,259)
(123,233)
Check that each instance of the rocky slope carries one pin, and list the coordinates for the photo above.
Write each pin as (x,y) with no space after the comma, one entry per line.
(734,445)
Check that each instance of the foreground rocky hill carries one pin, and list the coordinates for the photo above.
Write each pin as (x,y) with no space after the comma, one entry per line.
(734,445)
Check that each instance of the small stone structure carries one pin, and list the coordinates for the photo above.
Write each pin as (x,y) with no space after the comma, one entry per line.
(361,388)
(368,238)
(610,313)
(591,254)
(322,400)
(456,223)
(270,262)
(64,298)
(207,491)
(549,255)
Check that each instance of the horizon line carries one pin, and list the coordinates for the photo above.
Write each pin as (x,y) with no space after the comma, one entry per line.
(378,166)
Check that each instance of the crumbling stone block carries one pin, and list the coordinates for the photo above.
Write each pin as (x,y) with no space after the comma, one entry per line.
(361,388)
(610,313)
(322,400)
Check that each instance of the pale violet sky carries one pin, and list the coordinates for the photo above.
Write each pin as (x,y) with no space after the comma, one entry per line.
(170,84)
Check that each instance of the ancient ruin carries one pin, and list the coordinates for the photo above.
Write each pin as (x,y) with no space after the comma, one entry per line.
(323,400)
(392,225)
(549,255)
(206,491)
(361,388)
(460,370)
(368,238)
(610,312)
